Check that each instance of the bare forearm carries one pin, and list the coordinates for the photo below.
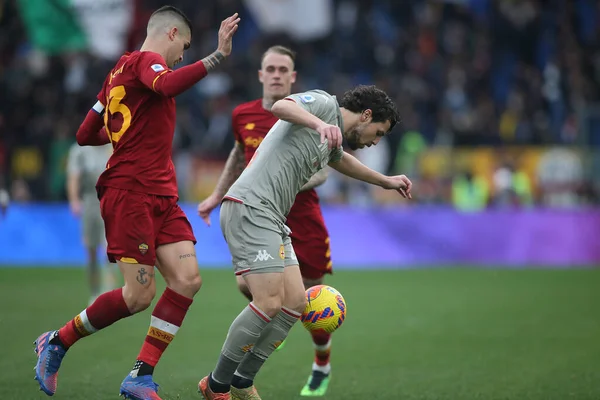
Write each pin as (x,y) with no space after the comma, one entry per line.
(213,60)
(73,188)
(289,111)
(233,169)
(353,168)
(4,199)
(316,180)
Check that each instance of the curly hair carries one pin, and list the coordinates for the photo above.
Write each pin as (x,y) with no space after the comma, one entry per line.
(371,98)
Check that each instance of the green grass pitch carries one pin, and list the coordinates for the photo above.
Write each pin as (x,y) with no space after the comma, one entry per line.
(435,334)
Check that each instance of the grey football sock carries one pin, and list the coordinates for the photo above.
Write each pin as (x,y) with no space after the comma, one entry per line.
(270,338)
(242,336)
(94,277)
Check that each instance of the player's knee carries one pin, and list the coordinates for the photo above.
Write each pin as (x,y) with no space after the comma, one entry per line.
(194,284)
(140,300)
(186,283)
(297,303)
(269,305)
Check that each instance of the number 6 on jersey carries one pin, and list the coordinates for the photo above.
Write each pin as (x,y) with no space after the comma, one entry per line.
(115,106)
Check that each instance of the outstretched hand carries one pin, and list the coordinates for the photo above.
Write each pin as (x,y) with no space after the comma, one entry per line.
(226,31)
(401,184)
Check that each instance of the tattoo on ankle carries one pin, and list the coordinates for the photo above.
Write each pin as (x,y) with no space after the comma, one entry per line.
(189,255)
(214,59)
(143,276)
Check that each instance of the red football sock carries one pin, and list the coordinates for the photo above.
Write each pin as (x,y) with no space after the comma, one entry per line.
(106,310)
(166,320)
(322,341)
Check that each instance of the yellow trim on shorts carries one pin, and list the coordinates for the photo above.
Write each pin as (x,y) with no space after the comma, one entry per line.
(129,260)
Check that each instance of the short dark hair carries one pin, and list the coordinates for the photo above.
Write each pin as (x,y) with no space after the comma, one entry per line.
(284,51)
(176,12)
(365,97)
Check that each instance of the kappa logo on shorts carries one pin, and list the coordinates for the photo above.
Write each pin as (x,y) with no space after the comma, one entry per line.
(282,252)
(143,248)
(263,256)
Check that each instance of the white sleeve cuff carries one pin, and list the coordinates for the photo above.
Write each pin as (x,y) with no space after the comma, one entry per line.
(98,107)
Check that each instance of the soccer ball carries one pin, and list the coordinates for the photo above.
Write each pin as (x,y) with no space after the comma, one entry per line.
(325,311)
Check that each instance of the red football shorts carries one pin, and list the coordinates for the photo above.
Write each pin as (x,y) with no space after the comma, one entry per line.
(137,223)
(310,239)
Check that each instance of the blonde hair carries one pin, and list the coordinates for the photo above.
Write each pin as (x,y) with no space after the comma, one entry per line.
(284,51)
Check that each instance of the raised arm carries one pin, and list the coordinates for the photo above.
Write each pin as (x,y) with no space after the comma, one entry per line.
(350,166)
(154,73)
(287,110)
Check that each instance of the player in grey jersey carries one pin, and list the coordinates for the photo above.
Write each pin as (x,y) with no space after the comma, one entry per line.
(307,138)
(84,166)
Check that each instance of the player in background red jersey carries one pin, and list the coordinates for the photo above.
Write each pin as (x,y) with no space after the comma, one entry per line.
(251,122)
(145,227)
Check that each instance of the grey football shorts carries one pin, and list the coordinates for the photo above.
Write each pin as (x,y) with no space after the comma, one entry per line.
(258,242)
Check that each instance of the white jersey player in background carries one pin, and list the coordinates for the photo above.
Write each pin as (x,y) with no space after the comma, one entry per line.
(85,164)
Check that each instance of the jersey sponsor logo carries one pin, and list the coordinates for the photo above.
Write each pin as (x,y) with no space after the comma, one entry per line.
(157,68)
(307,98)
(253,141)
(263,255)
(250,126)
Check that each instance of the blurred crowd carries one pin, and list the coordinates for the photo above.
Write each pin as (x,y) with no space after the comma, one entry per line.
(464,73)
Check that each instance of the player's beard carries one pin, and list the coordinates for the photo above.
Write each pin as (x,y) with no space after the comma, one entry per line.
(352,138)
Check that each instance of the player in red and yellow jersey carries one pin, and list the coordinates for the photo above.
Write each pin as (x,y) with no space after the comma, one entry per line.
(251,122)
(145,226)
